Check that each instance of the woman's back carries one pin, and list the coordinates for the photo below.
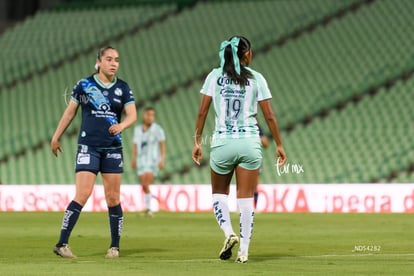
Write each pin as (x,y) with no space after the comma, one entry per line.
(235,105)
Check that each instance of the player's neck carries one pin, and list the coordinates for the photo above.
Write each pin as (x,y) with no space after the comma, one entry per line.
(145,127)
(106,80)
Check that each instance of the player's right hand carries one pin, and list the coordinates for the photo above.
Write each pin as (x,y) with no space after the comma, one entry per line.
(55,145)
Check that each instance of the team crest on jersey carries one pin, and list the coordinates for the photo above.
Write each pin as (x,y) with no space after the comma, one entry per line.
(118,92)
(105,93)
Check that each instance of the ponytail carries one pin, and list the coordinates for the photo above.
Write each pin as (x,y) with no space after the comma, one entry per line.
(230,53)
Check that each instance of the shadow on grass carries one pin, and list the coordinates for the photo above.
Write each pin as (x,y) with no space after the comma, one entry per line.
(134,252)
(131,252)
(269,257)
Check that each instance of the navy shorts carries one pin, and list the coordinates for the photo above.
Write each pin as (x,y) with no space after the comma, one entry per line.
(104,160)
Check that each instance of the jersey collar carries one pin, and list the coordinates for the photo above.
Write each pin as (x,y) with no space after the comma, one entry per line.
(98,81)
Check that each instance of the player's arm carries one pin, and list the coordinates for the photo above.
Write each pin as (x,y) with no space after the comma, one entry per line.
(134,156)
(129,120)
(64,122)
(271,121)
(201,119)
(162,152)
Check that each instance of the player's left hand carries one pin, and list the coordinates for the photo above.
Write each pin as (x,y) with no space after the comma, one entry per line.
(281,155)
(161,165)
(197,154)
(116,129)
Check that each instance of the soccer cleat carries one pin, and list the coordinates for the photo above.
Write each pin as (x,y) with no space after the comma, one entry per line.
(148,213)
(64,251)
(229,243)
(241,258)
(112,253)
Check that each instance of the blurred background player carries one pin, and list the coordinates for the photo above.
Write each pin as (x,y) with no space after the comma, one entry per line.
(235,91)
(148,153)
(102,97)
(265,143)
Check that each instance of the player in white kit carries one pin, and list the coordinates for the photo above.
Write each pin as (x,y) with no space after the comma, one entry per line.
(148,153)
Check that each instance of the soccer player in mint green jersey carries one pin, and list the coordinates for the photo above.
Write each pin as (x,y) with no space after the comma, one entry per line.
(148,153)
(235,90)
(102,97)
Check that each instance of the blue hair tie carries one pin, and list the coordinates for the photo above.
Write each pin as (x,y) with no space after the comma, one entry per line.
(234,42)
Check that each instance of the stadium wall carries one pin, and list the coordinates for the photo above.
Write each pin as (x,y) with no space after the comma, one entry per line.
(312,198)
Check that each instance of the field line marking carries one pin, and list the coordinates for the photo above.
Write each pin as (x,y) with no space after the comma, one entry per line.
(298,257)
(339,255)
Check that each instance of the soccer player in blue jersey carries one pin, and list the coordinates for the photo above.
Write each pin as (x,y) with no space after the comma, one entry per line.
(102,97)
(235,90)
(148,153)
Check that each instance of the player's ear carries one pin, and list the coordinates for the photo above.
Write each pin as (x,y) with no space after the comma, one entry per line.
(97,62)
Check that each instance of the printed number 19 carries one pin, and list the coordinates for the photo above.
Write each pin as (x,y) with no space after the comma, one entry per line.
(234,105)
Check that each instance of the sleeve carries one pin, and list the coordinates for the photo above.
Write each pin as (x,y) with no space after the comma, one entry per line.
(208,86)
(263,92)
(77,92)
(127,95)
(161,134)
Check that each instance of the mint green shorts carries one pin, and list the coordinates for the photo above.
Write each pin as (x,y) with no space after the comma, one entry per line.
(228,153)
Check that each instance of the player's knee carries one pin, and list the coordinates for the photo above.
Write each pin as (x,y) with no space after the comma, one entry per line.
(81,197)
(112,198)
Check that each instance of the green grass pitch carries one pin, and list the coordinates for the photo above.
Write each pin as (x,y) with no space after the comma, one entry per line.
(188,244)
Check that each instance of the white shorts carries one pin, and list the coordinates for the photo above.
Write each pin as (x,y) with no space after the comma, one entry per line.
(147,168)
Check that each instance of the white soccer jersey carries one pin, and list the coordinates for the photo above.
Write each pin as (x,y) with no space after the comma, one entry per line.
(148,143)
(235,106)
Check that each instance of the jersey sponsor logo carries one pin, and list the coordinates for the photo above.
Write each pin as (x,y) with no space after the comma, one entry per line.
(118,92)
(221,81)
(83,159)
(234,93)
(113,156)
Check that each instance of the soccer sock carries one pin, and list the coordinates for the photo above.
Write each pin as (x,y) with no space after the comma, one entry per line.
(246,223)
(255,198)
(116,221)
(222,213)
(69,220)
(147,201)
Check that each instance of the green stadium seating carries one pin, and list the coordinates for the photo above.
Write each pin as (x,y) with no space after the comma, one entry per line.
(333,63)
(364,141)
(53,36)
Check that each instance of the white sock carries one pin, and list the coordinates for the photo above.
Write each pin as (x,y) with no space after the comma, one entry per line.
(246,223)
(222,213)
(147,200)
